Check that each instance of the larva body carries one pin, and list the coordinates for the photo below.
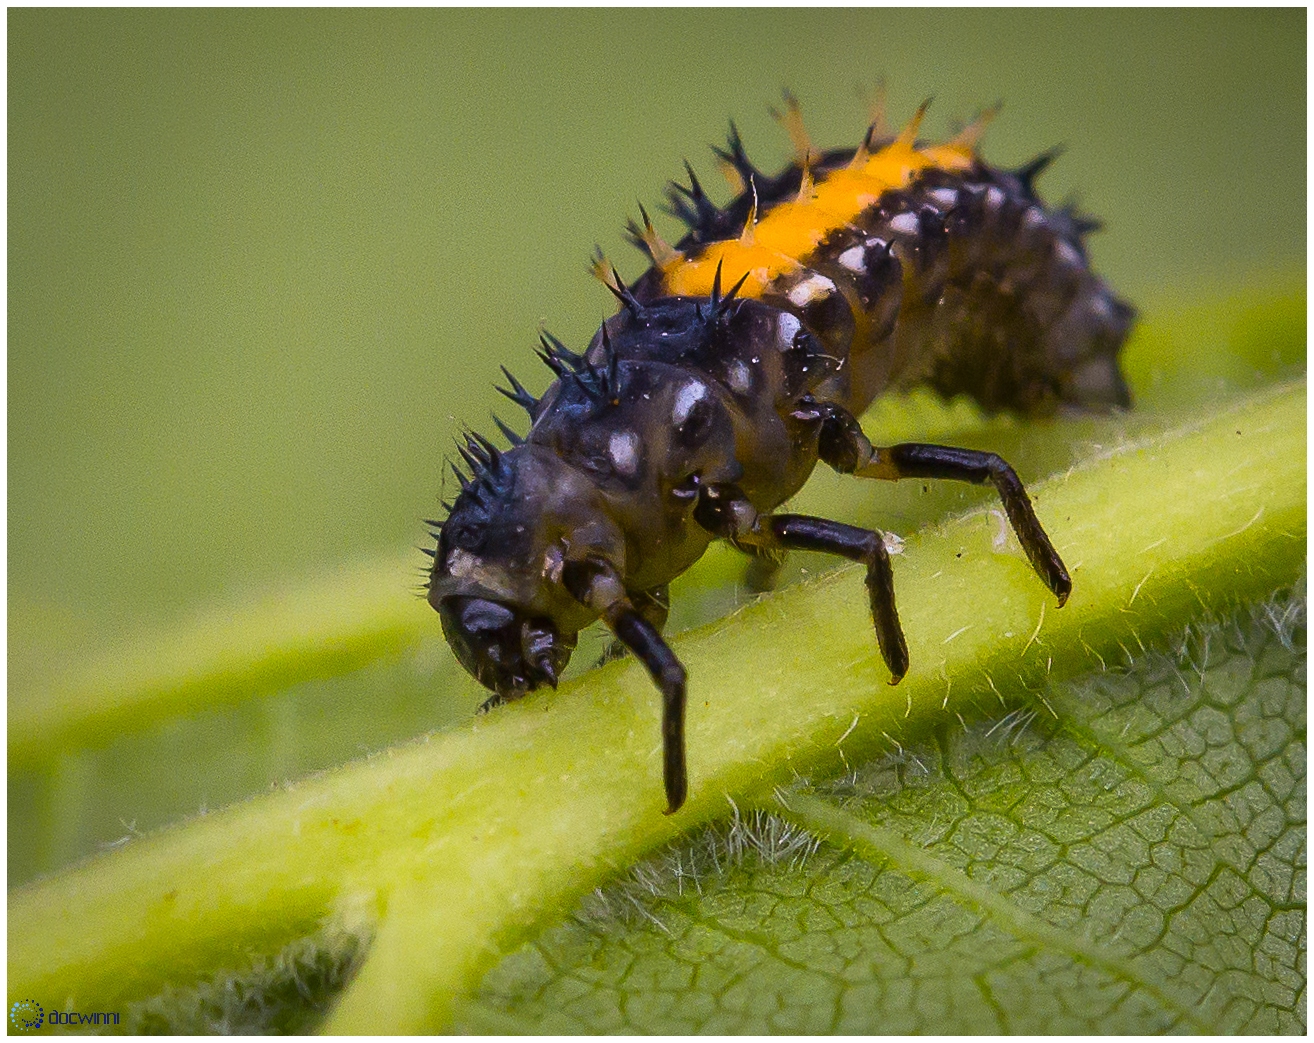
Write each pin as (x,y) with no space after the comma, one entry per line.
(695,412)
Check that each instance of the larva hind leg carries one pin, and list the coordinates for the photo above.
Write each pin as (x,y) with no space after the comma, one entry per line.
(845,448)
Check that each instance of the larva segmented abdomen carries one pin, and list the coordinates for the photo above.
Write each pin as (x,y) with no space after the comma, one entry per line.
(954,274)
(999,300)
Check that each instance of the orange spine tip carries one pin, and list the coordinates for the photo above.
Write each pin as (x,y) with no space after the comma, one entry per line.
(806,185)
(746,237)
(733,178)
(792,120)
(970,136)
(663,254)
(908,136)
(601,268)
(863,152)
(875,100)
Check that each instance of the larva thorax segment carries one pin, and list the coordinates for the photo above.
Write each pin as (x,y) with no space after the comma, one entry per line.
(669,398)
(757,361)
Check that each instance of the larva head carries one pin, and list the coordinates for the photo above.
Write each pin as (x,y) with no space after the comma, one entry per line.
(496,579)
(504,649)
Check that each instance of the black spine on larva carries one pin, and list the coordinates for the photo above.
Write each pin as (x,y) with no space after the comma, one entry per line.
(1028,172)
(736,157)
(508,433)
(518,394)
(705,220)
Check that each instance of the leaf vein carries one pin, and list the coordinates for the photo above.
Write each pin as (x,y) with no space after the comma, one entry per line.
(847,830)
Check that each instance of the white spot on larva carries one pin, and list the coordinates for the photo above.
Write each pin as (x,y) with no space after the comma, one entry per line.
(944,197)
(1067,254)
(1033,218)
(893,543)
(905,223)
(740,377)
(686,398)
(810,289)
(994,197)
(624,450)
(852,259)
(1100,306)
(787,326)
(462,564)
(554,561)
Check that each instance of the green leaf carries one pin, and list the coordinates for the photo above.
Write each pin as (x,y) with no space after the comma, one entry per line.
(1133,865)
(447,853)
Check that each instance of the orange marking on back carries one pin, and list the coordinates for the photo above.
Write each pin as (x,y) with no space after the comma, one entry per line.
(952,155)
(788,234)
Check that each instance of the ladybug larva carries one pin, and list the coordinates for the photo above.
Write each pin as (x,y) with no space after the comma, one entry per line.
(739,360)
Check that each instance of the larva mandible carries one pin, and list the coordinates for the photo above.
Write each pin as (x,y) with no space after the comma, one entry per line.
(737,362)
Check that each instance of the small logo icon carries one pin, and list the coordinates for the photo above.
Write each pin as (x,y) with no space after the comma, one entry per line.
(26,1015)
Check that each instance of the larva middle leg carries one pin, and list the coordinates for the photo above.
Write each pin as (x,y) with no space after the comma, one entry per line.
(726,512)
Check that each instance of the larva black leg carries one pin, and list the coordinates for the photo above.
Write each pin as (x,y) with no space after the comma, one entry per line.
(596,584)
(725,511)
(654,605)
(801,532)
(844,447)
(914,460)
(644,640)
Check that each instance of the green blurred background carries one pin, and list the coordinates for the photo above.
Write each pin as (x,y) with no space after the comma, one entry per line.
(262,262)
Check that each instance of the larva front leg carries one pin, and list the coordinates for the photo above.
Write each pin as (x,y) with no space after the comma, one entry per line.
(596,584)
(725,511)
(654,605)
(844,447)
